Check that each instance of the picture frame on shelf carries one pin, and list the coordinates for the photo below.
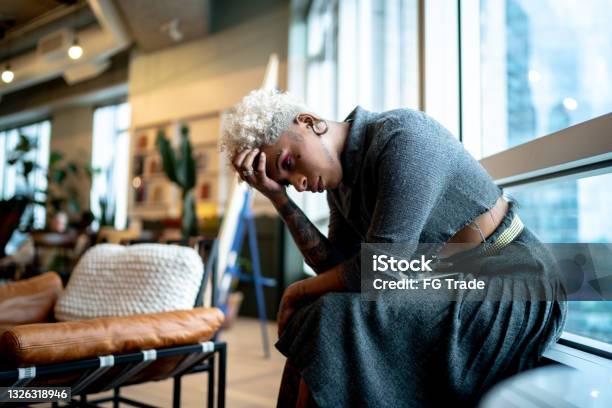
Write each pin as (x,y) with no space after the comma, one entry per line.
(206,189)
(157,193)
(140,193)
(154,166)
(142,141)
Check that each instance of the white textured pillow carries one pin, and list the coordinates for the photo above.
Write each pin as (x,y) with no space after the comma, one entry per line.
(116,280)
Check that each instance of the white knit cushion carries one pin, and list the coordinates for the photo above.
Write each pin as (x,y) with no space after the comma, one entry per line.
(116,280)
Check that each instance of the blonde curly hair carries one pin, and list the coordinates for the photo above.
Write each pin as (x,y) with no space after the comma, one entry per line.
(259,119)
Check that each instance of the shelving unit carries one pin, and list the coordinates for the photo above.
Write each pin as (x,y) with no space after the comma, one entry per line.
(152,195)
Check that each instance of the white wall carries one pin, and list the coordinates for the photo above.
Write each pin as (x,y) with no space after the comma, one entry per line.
(207,75)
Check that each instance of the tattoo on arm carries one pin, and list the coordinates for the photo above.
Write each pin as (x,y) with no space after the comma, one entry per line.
(318,252)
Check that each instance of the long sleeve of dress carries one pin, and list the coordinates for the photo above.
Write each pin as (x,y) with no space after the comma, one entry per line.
(410,172)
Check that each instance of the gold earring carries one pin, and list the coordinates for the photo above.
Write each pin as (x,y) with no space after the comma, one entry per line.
(321,132)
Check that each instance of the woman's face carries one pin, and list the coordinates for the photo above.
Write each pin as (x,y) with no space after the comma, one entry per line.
(303,159)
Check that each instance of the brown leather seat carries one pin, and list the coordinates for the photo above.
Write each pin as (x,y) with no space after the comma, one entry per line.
(49,343)
(28,335)
(30,300)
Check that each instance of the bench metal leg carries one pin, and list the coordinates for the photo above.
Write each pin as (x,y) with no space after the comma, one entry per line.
(211,381)
(176,394)
(116,397)
(222,367)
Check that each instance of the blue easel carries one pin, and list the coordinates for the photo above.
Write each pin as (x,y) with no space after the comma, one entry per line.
(247,222)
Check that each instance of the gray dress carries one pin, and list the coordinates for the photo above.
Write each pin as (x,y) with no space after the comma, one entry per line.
(406,179)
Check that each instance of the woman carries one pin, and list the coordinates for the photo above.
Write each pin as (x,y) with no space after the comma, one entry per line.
(391,177)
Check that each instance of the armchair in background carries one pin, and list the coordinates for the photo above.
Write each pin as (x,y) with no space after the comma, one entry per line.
(93,354)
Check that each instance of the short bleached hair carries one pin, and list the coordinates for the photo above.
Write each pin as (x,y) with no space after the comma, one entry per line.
(258,120)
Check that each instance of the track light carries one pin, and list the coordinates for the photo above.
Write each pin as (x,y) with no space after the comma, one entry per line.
(7,74)
(75,51)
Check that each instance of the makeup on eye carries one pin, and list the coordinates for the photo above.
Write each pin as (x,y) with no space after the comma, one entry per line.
(287,162)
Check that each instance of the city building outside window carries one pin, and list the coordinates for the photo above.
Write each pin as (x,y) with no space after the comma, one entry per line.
(574,209)
(530,69)
(536,67)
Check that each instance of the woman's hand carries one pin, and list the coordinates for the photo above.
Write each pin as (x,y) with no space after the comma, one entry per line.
(293,298)
(301,292)
(251,166)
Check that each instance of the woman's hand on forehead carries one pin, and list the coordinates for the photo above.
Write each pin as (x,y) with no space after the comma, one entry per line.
(251,167)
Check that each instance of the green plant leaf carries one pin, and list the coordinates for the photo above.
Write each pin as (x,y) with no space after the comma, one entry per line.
(189,221)
(28,166)
(72,167)
(168,157)
(55,157)
(187,164)
(25,144)
(58,176)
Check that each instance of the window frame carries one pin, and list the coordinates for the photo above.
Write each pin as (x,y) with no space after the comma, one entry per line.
(554,157)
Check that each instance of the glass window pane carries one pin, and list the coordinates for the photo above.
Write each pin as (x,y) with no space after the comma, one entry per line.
(573,210)
(109,159)
(543,66)
(11,179)
(321,69)
(3,164)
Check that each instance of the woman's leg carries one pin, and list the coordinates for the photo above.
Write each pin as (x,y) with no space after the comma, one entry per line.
(289,387)
(303,399)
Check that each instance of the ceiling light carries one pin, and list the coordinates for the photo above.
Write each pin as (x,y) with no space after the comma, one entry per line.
(75,51)
(7,74)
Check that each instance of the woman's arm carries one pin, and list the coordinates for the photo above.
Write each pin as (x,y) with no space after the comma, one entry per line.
(302,292)
(318,252)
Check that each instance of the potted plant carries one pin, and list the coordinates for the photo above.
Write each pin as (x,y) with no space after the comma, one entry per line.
(180,169)
(60,197)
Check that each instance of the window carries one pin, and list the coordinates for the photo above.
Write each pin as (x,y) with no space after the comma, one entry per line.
(542,66)
(361,52)
(570,210)
(501,74)
(357,52)
(11,182)
(530,69)
(110,163)
(321,58)
(377,55)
